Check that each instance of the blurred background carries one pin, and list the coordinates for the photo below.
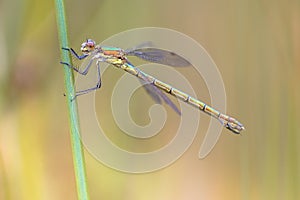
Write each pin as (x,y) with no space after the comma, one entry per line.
(256,46)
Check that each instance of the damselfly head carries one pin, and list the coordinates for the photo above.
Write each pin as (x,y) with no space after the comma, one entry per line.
(88,46)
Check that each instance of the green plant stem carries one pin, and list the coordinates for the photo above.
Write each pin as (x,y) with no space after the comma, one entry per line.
(78,157)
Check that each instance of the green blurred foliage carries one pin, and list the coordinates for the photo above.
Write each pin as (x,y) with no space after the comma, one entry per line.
(256,46)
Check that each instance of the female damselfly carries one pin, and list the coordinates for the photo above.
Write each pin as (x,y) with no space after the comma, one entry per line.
(118,58)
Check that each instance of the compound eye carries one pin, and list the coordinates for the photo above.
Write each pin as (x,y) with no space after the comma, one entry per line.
(90,43)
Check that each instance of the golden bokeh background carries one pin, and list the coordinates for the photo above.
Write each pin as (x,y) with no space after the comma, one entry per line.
(256,46)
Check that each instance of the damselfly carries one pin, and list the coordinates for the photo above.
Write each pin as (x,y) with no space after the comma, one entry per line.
(118,58)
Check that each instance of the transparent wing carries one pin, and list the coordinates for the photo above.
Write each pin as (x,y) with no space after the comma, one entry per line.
(157,94)
(143,45)
(159,56)
(148,87)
